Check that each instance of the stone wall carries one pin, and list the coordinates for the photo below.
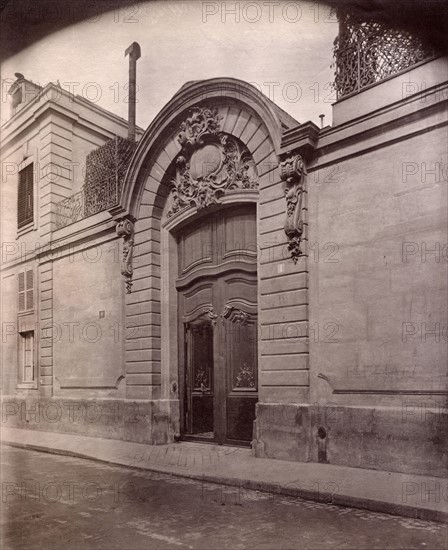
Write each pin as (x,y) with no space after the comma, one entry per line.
(350,372)
(377,259)
(55,136)
(88,331)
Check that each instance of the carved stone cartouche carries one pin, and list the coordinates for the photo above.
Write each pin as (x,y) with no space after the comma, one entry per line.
(209,164)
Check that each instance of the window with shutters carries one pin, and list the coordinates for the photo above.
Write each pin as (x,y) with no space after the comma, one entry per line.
(27,373)
(26,290)
(25,200)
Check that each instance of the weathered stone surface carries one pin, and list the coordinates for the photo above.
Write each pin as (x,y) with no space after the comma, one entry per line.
(152,422)
(411,439)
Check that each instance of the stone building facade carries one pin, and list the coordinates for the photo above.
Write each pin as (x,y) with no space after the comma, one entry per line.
(235,277)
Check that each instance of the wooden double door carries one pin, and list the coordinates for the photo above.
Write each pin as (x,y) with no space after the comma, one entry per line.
(218,329)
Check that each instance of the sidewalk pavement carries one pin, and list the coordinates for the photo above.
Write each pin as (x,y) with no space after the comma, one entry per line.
(415,496)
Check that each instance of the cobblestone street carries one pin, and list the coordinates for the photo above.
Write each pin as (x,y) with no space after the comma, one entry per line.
(58,502)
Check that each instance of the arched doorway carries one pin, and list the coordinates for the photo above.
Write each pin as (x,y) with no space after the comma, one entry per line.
(217,325)
(202,159)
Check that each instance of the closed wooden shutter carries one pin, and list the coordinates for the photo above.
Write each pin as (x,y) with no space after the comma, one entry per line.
(26,290)
(25,199)
(29,289)
(22,301)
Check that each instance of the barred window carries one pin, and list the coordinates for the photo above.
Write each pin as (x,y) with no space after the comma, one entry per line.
(25,200)
(26,290)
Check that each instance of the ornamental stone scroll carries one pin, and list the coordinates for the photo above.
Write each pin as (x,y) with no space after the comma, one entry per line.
(125,229)
(292,172)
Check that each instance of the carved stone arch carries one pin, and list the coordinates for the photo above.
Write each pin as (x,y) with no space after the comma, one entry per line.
(246,117)
(242,107)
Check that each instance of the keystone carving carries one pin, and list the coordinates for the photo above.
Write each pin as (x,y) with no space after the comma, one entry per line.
(200,121)
(292,172)
(125,229)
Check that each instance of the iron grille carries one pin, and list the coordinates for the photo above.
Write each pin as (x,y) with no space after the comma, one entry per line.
(105,172)
(367,52)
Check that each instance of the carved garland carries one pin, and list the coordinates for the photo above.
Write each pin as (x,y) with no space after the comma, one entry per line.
(292,172)
(237,315)
(125,229)
(201,380)
(245,376)
(209,164)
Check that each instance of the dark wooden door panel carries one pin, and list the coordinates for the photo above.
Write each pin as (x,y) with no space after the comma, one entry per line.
(218,320)
(240,418)
(200,379)
(241,352)
(196,246)
(236,235)
(196,300)
(202,412)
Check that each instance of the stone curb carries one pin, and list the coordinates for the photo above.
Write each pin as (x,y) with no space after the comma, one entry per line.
(383,507)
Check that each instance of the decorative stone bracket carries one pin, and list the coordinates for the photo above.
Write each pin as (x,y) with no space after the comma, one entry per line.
(292,172)
(236,315)
(125,229)
(212,315)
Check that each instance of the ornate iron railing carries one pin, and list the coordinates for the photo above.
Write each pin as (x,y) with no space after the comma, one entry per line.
(100,196)
(70,210)
(105,171)
(366,52)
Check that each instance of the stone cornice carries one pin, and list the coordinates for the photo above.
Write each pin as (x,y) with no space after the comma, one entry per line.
(396,123)
(66,104)
(433,95)
(303,139)
(100,228)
